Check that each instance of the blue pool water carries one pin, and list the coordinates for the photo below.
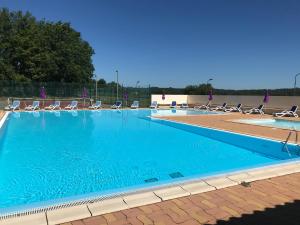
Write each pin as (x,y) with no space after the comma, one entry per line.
(277,123)
(53,155)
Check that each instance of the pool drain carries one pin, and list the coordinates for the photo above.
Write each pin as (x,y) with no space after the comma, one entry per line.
(151,180)
(175,175)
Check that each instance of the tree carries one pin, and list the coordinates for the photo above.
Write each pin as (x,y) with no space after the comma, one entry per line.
(32,50)
(101,83)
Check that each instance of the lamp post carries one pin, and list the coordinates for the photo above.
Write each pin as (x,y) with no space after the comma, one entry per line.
(207,82)
(96,87)
(295,83)
(117,84)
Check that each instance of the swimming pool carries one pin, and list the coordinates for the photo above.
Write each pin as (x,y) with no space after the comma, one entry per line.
(277,123)
(48,156)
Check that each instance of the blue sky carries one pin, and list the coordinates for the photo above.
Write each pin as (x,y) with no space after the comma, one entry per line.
(240,44)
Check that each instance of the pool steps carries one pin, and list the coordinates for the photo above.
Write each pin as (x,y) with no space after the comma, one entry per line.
(62,214)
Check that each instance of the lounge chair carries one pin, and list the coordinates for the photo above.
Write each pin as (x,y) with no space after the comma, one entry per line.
(184,106)
(72,105)
(15,105)
(97,105)
(55,105)
(237,108)
(220,107)
(258,110)
(35,105)
(206,107)
(291,112)
(117,105)
(154,105)
(173,104)
(135,105)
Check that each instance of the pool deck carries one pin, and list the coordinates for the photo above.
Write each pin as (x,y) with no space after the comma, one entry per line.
(269,199)
(227,122)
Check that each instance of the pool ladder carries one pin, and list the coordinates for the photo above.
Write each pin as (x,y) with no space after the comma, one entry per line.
(285,145)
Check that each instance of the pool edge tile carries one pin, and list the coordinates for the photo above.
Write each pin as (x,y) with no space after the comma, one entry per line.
(33,219)
(140,199)
(220,182)
(63,215)
(107,206)
(171,193)
(197,187)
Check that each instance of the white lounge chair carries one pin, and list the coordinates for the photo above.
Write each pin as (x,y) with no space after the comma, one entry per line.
(117,105)
(258,110)
(97,105)
(154,105)
(135,105)
(35,105)
(291,112)
(237,108)
(55,105)
(173,105)
(184,106)
(220,107)
(15,105)
(206,107)
(72,105)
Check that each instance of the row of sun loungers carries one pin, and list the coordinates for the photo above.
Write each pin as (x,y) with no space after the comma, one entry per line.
(72,106)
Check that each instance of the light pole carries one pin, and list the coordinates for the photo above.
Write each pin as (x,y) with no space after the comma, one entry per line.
(295,83)
(207,82)
(117,84)
(96,91)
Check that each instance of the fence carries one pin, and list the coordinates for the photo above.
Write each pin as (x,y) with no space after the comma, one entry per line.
(59,90)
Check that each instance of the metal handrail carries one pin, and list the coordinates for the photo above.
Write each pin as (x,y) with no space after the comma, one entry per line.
(285,146)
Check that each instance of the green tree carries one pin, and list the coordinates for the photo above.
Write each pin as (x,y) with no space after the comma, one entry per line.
(32,50)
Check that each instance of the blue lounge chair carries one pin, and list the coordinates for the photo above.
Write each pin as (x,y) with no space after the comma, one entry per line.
(184,106)
(173,104)
(206,107)
(135,105)
(154,105)
(117,105)
(72,106)
(237,108)
(258,110)
(55,105)
(15,105)
(97,105)
(291,112)
(35,105)
(220,107)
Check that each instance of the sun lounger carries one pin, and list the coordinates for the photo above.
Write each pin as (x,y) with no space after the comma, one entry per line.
(35,105)
(154,105)
(55,105)
(220,107)
(206,107)
(15,105)
(258,110)
(117,105)
(135,105)
(97,105)
(237,108)
(72,105)
(291,112)
(173,104)
(184,106)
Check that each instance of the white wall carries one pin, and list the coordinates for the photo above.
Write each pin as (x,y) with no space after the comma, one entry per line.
(169,98)
(280,102)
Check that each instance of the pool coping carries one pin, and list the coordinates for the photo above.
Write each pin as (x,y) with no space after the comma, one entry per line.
(101,204)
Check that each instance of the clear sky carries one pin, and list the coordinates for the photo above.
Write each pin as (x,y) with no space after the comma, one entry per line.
(238,43)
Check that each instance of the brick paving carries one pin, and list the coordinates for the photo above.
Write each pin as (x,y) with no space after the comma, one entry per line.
(271,201)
